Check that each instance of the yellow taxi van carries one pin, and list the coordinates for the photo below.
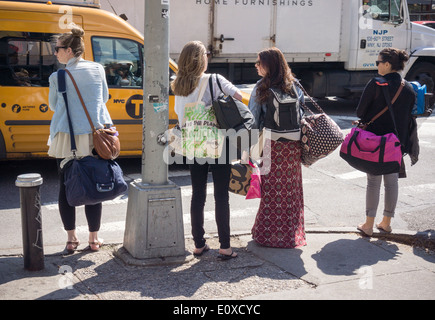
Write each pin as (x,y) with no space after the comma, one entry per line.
(27,60)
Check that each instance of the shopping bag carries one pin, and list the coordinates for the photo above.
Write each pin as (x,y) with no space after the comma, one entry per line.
(200,132)
(254,191)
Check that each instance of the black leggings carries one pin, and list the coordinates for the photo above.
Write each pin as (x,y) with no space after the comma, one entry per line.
(221,179)
(68,213)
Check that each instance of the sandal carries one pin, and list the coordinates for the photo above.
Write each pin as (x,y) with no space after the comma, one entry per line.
(74,245)
(386,229)
(97,245)
(230,256)
(204,250)
(367,232)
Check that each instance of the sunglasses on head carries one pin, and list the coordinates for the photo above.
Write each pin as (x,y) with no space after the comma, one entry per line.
(57,48)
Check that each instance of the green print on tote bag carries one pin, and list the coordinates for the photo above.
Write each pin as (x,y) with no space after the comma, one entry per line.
(200,133)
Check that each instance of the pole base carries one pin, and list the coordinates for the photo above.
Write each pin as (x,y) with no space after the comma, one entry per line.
(122,254)
(154,225)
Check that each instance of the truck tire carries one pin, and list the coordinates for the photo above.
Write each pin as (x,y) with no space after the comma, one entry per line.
(424,73)
(2,147)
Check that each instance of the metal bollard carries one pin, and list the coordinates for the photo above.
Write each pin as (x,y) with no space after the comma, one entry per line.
(31,220)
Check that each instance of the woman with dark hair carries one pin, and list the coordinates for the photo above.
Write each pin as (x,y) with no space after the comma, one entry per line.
(390,62)
(280,218)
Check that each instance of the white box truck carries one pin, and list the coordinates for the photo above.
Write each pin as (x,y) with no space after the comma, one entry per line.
(331,45)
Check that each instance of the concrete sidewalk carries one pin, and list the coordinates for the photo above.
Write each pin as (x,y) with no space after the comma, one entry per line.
(336,264)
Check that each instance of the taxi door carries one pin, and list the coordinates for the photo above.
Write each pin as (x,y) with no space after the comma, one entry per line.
(26,62)
(122,59)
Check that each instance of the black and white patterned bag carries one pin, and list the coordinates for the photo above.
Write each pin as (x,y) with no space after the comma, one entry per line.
(320,135)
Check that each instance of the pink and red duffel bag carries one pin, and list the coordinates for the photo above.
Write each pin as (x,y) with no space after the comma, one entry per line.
(369,153)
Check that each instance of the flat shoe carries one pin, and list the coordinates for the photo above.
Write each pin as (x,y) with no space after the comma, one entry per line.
(204,250)
(227,256)
(386,229)
(74,245)
(368,232)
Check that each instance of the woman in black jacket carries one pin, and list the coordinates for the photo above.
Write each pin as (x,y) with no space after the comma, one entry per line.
(390,62)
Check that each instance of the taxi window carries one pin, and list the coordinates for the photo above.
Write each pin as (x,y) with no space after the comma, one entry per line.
(122,60)
(26,59)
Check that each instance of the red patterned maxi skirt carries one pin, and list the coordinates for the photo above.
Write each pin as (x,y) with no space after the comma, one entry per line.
(280,218)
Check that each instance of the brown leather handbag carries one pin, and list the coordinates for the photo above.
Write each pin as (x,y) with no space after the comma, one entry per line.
(106,141)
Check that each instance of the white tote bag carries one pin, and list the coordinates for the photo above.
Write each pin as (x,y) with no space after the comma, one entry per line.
(200,133)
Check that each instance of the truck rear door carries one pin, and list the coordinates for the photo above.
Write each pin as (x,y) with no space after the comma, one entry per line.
(240,28)
(309,30)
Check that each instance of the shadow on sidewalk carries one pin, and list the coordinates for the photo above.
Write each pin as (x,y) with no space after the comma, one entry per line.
(346,257)
(103,276)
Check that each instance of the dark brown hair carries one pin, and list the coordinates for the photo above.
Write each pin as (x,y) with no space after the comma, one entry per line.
(395,57)
(278,73)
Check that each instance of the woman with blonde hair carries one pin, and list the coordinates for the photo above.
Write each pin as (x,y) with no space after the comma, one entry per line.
(192,64)
(91,80)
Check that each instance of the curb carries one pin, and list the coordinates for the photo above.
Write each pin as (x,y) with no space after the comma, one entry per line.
(422,239)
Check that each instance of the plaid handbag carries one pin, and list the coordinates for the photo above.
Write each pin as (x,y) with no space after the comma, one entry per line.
(320,135)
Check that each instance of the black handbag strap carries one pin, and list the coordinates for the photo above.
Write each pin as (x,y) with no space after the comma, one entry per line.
(62,89)
(390,103)
(219,83)
(210,82)
(210,85)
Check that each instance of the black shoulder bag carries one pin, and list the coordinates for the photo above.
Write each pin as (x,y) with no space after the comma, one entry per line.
(230,113)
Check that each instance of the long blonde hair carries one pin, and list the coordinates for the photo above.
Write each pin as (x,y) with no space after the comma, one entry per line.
(191,65)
